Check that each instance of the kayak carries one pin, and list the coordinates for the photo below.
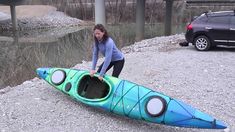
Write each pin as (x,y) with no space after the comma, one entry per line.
(127,98)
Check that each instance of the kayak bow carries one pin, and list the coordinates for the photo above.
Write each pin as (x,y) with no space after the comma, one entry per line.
(126,98)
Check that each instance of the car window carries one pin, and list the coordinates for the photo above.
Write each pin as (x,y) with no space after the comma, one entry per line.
(219,20)
(200,19)
(233,20)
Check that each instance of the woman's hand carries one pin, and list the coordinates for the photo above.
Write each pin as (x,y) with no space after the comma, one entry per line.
(100,78)
(92,72)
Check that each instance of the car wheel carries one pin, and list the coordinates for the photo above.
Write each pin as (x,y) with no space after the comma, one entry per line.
(202,43)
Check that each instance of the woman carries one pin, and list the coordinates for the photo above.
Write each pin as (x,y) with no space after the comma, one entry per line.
(106,46)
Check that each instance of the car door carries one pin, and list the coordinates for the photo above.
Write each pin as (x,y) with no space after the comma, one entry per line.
(218,29)
(232,31)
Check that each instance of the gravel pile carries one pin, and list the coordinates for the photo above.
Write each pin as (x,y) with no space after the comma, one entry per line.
(203,79)
(51,20)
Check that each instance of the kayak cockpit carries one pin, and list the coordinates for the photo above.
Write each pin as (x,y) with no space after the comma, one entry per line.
(92,88)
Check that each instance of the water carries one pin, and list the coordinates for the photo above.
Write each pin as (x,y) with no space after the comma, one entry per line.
(22,52)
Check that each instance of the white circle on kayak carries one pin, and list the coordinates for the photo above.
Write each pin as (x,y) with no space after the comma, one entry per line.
(58,77)
(155,106)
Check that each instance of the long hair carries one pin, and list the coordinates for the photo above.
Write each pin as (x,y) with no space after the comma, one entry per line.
(102,29)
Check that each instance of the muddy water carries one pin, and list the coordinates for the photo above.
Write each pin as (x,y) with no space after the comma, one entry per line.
(22,52)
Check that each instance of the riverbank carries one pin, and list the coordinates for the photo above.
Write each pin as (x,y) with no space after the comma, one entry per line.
(37,17)
(203,79)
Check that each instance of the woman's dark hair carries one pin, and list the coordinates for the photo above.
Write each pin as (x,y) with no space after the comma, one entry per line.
(102,29)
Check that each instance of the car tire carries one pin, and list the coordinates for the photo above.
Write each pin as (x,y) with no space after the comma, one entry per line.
(202,43)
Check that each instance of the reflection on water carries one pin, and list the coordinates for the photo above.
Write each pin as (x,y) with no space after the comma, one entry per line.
(22,52)
(22,55)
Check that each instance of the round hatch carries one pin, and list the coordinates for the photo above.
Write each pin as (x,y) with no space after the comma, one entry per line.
(58,77)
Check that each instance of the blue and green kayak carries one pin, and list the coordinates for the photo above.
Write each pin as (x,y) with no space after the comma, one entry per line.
(127,98)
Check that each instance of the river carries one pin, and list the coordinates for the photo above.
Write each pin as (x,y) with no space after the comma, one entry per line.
(22,52)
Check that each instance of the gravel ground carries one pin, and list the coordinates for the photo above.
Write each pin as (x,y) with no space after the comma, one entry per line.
(206,80)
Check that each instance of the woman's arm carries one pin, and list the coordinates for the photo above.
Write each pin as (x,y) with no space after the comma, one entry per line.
(108,56)
(94,56)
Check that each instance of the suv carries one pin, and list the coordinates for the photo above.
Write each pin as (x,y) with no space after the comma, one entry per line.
(211,29)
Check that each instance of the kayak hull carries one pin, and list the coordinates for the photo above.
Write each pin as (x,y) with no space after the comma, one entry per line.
(127,98)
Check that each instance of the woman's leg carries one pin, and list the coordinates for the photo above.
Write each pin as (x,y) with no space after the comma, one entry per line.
(117,68)
(100,67)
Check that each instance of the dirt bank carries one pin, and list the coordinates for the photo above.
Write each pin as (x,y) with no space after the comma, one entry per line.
(36,17)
